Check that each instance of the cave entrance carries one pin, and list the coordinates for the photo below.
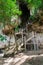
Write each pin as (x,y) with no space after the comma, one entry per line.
(25,13)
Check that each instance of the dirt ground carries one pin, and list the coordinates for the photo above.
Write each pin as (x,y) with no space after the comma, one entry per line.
(22,59)
(34,61)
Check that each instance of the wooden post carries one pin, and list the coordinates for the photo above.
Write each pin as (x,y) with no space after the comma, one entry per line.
(37,44)
(16,44)
(34,42)
(25,44)
(22,35)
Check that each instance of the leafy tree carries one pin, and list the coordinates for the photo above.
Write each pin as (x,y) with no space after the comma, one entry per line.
(34,5)
(8,8)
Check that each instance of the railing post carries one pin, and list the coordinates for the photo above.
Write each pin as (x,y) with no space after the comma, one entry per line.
(25,44)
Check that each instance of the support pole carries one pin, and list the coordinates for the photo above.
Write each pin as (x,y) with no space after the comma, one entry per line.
(34,41)
(25,44)
(22,35)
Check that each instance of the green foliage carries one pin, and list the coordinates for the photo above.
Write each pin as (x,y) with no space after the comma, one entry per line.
(7,9)
(2,38)
(34,4)
(41,7)
(32,18)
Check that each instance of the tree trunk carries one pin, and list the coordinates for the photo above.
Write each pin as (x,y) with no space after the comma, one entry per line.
(25,13)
